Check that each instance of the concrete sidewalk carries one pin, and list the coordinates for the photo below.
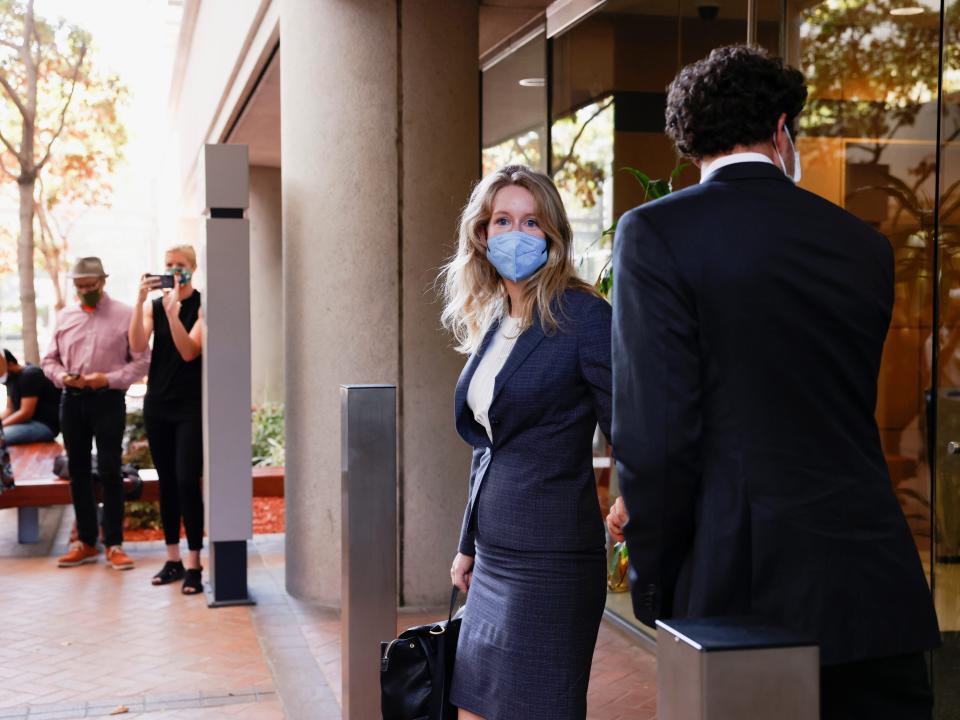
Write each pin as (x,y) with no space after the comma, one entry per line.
(91,641)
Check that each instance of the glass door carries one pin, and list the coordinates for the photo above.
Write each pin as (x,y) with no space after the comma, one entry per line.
(881,137)
(868,144)
(945,385)
(608,79)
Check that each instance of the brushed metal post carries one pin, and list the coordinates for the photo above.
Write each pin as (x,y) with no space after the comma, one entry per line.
(228,486)
(368,457)
(735,668)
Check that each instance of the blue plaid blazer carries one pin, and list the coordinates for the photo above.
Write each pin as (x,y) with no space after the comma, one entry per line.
(533,487)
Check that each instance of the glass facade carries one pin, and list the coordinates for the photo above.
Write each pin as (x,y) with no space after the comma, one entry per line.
(946,381)
(880,137)
(514,126)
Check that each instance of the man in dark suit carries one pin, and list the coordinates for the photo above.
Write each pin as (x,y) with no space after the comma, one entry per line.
(749,321)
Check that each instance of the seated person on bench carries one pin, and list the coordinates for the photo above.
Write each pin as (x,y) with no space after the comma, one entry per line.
(33,403)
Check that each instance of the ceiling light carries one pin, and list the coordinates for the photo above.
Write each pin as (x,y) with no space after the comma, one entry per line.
(910,10)
(532,82)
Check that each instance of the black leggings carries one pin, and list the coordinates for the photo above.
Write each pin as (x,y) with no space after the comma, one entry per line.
(176,444)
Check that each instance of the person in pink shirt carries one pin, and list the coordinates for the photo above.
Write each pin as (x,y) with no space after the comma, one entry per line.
(91,360)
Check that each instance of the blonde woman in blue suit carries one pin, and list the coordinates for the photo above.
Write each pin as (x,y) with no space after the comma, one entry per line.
(535,386)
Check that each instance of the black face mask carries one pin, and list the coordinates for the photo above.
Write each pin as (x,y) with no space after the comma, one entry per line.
(91,298)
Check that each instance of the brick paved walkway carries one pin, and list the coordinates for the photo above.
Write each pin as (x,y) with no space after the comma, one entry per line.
(91,641)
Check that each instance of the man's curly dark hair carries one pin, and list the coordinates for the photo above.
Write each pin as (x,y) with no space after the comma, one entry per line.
(733,97)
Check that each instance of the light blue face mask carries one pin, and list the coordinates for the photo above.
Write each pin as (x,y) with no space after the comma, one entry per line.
(517,255)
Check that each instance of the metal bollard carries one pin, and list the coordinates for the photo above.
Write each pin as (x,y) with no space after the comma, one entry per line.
(735,668)
(228,486)
(368,457)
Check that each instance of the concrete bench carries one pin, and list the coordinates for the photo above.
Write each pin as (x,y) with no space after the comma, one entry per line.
(37,486)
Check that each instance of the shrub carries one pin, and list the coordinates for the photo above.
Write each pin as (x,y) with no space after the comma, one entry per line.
(268,434)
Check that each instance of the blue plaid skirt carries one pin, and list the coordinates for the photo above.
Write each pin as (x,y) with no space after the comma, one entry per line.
(528,633)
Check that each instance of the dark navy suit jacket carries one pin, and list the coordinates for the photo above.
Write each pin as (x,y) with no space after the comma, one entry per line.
(750,318)
(533,487)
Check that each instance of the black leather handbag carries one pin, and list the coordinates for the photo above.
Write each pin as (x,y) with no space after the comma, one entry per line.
(416,669)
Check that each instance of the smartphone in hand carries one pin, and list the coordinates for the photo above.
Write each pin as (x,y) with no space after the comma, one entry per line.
(166,281)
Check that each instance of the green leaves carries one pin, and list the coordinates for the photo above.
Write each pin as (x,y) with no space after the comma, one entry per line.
(655,189)
(652,190)
(268,435)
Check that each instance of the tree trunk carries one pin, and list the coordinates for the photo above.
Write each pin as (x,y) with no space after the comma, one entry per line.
(26,183)
(28,298)
(51,259)
(50,250)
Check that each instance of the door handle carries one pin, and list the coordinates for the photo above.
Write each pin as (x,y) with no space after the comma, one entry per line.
(953,448)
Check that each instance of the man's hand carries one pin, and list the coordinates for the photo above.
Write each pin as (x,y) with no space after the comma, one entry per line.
(617,519)
(95,381)
(461,572)
(71,380)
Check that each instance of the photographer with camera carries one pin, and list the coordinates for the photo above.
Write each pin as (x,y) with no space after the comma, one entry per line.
(172,407)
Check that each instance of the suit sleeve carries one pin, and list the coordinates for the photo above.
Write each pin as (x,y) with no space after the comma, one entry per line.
(467,545)
(593,348)
(656,411)
(478,468)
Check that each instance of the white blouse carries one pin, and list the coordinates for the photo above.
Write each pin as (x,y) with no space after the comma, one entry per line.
(480,392)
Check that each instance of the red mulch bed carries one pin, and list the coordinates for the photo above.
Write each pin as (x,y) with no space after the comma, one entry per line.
(268,517)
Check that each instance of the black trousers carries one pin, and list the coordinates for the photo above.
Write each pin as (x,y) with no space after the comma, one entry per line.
(897,688)
(176,444)
(85,417)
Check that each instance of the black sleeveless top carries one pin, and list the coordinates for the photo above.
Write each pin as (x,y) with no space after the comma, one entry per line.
(173,386)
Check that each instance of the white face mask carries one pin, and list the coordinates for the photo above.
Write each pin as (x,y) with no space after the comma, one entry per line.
(796,158)
(3,378)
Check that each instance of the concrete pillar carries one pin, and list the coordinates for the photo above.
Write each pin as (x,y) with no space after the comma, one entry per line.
(441,161)
(266,283)
(380,138)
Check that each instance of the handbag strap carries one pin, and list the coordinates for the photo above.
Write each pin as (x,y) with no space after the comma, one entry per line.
(453,602)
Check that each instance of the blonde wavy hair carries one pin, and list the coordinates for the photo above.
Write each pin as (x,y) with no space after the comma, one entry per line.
(473,293)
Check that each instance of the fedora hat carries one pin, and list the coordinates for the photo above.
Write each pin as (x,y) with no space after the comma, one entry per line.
(87,267)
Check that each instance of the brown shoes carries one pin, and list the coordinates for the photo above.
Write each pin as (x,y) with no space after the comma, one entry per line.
(79,554)
(118,559)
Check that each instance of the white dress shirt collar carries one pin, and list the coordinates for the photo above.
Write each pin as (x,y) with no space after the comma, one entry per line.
(709,169)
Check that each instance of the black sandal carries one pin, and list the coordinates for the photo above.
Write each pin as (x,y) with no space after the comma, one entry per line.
(171,571)
(192,585)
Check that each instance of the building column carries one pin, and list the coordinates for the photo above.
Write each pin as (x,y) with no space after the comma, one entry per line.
(380,142)
(441,161)
(266,284)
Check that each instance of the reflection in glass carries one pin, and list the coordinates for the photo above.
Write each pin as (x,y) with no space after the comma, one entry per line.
(609,76)
(583,172)
(515,108)
(868,143)
(946,570)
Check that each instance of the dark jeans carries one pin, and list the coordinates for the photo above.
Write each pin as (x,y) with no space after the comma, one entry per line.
(176,445)
(897,688)
(85,416)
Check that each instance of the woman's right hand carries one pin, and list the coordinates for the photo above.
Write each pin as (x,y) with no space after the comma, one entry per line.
(461,572)
(146,285)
